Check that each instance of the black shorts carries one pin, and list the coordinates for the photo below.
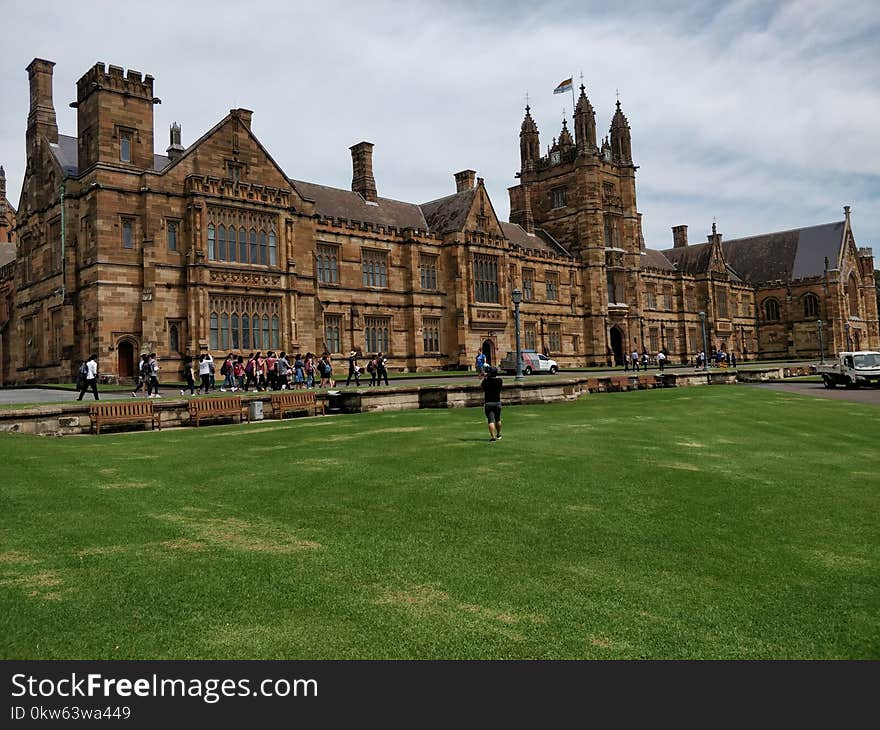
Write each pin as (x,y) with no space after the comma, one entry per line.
(493,412)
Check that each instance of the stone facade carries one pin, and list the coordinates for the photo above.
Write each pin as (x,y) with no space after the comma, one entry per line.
(215,248)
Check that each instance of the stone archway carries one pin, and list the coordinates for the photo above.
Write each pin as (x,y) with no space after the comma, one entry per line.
(616,337)
(125,359)
(489,351)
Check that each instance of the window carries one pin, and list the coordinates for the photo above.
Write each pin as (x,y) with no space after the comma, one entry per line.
(375,267)
(530,338)
(650,295)
(127,233)
(653,340)
(811,305)
(576,344)
(428,271)
(610,233)
(431,334)
(693,342)
(528,284)
(174,337)
(721,301)
(691,298)
(554,337)
(552,286)
(668,299)
(240,236)
(125,146)
(250,321)
(328,265)
(171,234)
(332,327)
(234,171)
(560,197)
(376,334)
(55,245)
(486,278)
(771,310)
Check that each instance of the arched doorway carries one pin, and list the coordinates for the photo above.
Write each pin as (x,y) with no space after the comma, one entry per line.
(125,359)
(617,344)
(489,352)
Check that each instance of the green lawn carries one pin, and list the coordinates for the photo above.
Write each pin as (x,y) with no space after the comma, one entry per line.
(712,522)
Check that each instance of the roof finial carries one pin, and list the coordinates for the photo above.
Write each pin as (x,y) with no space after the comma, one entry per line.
(2,173)
(845,209)
(714,227)
(582,80)
(527,101)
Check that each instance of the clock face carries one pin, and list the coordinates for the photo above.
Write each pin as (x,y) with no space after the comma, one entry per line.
(554,158)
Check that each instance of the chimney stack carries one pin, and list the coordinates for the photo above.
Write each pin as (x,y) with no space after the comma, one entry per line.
(679,236)
(464,180)
(41,117)
(175,150)
(362,180)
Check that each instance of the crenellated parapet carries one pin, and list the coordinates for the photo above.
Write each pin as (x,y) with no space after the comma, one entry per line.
(115,79)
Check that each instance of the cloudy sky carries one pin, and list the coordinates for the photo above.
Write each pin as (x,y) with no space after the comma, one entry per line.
(763,115)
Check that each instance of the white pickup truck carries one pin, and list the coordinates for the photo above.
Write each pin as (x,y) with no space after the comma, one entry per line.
(852,369)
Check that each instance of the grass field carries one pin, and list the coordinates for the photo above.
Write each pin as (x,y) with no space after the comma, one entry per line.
(723,522)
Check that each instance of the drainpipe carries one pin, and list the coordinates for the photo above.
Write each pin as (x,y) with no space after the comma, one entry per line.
(63,252)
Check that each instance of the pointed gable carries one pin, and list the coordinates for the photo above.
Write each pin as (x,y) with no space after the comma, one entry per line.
(469,209)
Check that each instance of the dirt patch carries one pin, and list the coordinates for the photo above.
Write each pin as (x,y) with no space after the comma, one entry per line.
(102,550)
(126,485)
(187,546)
(601,642)
(237,534)
(44,584)
(581,508)
(15,557)
(839,562)
(416,597)
(106,471)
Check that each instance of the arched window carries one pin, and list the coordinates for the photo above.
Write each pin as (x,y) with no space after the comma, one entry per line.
(174,338)
(852,293)
(242,245)
(221,243)
(273,254)
(264,258)
(255,325)
(275,332)
(245,332)
(266,341)
(771,310)
(214,331)
(231,238)
(811,306)
(253,246)
(234,320)
(210,240)
(224,331)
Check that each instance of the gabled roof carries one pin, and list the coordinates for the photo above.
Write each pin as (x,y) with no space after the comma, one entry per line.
(656,260)
(450,213)
(785,255)
(690,259)
(518,236)
(338,203)
(67,154)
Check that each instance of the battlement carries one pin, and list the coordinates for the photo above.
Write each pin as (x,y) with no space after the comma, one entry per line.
(115,79)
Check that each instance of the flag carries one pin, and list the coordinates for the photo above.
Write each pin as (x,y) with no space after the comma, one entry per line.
(563,87)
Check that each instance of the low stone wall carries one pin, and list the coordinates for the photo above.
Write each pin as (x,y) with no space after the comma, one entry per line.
(763,375)
(73,419)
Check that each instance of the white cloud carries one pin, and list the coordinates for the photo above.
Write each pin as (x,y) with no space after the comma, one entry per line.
(762,114)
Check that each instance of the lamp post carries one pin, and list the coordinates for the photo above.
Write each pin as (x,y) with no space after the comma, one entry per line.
(516,295)
(705,343)
(819,323)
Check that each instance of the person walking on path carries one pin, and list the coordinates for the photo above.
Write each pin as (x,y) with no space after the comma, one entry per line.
(299,372)
(188,376)
(661,360)
(310,370)
(325,369)
(238,373)
(480,363)
(205,373)
(371,369)
(491,386)
(153,385)
(89,377)
(354,370)
(381,369)
(227,371)
(143,375)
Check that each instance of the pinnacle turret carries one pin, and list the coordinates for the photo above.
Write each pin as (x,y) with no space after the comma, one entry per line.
(529,144)
(584,123)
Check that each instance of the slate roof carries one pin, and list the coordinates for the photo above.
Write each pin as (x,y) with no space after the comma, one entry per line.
(450,213)
(67,154)
(7,253)
(656,260)
(538,241)
(781,256)
(338,203)
(785,255)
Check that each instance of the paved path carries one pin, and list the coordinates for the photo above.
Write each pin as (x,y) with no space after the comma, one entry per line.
(818,390)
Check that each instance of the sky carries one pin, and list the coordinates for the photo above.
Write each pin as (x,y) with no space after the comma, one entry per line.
(760,115)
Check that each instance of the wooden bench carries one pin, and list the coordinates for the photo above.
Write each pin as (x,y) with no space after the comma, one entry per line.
(127,411)
(647,381)
(200,408)
(594,385)
(295,400)
(620,382)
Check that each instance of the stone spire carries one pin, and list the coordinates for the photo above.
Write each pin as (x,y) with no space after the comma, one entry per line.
(565,140)
(621,141)
(175,150)
(529,145)
(584,123)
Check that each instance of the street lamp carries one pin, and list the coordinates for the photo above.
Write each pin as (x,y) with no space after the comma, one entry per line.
(705,342)
(516,295)
(819,323)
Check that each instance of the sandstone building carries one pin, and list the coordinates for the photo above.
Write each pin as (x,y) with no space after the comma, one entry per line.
(213,246)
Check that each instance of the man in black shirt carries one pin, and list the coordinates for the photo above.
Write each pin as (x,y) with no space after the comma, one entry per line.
(491,386)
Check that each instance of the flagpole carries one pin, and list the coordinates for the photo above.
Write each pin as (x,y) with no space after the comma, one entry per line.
(572,96)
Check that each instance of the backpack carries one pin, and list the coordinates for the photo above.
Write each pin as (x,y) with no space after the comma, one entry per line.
(224,368)
(83,371)
(249,368)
